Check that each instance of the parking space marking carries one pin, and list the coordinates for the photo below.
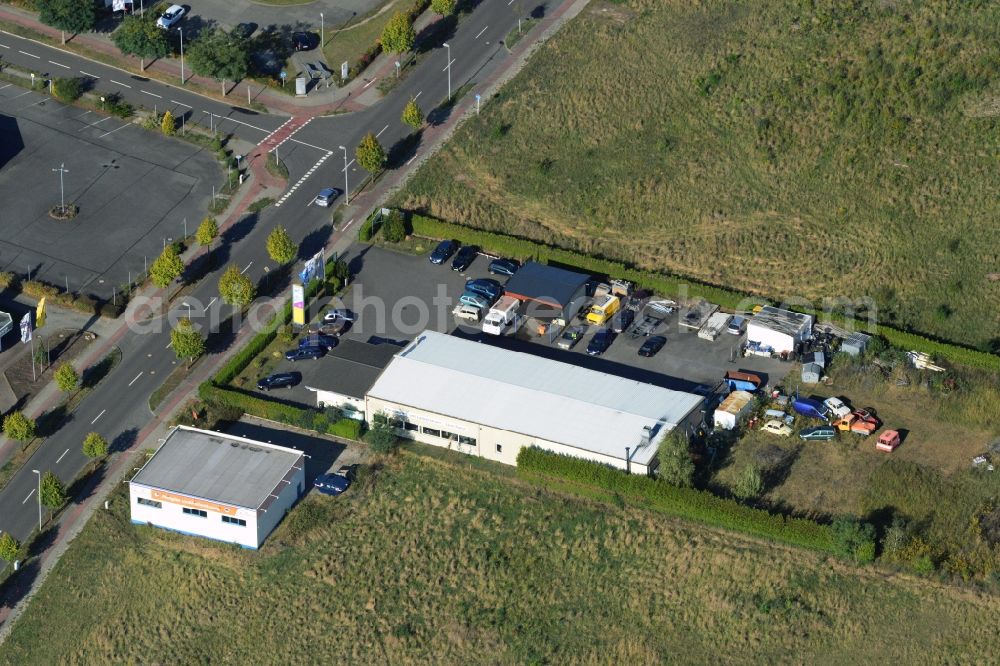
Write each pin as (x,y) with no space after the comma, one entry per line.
(174,101)
(59,64)
(119,83)
(59,460)
(21,95)
(221,118)
(25,501)
(480,34)
(247,267)
(113,131)
(30,54)
(98,416)
(380,131)
(136,378)
(93,76)
(94,124)
(146,92)
(6,86)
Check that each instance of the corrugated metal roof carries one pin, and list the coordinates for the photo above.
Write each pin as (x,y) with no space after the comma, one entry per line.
(735,402)
(782,321)
(218,467)
(534,396)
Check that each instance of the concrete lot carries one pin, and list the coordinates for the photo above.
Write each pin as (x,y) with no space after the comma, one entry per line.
(396,296)
(227,13)
(134,189)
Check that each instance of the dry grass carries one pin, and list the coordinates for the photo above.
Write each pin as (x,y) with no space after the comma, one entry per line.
(811,167)
(435,563)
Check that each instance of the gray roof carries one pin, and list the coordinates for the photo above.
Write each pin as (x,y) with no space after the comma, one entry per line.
(546,284)
(219,468)
(782,321)
(531,395)
(351,368)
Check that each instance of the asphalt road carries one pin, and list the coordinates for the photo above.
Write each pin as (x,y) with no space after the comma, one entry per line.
(118,407)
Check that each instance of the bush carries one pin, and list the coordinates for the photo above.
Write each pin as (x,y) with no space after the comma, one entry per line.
(394,228)
(9,547)
(346,428)
(381,438)
(750,484)
(676,466)
(853,539)
(67,378)
(7,280)
(67,90)
(688,503)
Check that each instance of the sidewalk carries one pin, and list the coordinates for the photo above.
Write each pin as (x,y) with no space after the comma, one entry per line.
(347,98)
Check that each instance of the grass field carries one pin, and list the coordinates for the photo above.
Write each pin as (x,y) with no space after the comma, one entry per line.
(347,43)
(428,561)
(813,150)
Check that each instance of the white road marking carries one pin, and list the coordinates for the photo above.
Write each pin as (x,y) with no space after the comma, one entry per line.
(348,224)
(30,54)
(4,46)
(82,114)
(62,456)
(381,130)
(309,145)
(134,380)
(98,416)
(6,86)
(146,92)
(93,76)
(302,179)
(418,94)
(410,160)
(94,124)
(348,165)
(119,83)
(247,268)
(174,101)
(114,130)
(221,118)
(446,66)
(57,64)
(167,347)
(22,94)
(481,32)
(369,83)
(28,497)
(214,299)
(510,3)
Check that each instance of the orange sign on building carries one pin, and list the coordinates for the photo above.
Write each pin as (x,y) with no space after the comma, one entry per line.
(193,503)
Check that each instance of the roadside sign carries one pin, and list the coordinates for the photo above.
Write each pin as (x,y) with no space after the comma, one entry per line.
(300,86)
(344,67)
(283,74)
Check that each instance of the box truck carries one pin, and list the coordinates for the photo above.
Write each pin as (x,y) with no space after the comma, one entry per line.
(501,315)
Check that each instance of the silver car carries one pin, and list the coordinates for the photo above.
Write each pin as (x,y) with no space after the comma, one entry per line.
(326,196)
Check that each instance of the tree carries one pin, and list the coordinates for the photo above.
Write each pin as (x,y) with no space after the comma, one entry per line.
(280,246)
(167,267)
(9,547)
(236,288)
(221,55)
(443,7)
(187,342)
(394,228)
(398,34)
(853,539)
(207,231)
(381,438)
(19,427)
(370,154)
(168,125)
(412,115)
(750,484)
(95,446)
(53,492)
(67,378)
(676,466)
(71,16)
(139,36)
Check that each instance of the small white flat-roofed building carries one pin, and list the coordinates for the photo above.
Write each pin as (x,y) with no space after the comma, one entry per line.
(217,486)
(779,329)
(490,402)
(733,410)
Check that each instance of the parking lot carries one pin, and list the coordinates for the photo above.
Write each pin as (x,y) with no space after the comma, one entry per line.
(133,188)
(229,14)
(395,296)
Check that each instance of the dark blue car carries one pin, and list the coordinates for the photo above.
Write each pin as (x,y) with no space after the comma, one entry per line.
(444,250)
(600,342)
(491,289)
(328,342)
(464,258)
(303,353)
(503,267)
(332,484)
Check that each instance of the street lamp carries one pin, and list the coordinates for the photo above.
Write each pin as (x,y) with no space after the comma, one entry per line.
(181,31)
(321,30)
(62,191)
(347,192)
(39,498)
(447,46)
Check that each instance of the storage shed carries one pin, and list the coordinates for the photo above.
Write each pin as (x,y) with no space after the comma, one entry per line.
(779,330)
(733,409)
(548,292)
(856,344)
(811,373)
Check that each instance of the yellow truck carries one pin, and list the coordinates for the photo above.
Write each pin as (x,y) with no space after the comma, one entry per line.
(603,309)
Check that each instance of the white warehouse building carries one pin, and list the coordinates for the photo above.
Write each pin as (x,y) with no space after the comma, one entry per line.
(779,330)
(490,402)
(217,486)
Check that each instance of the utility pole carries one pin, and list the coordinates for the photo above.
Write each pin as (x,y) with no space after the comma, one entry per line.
(39,499)
(347,191)
(181,31)
(62,191)
(448,46)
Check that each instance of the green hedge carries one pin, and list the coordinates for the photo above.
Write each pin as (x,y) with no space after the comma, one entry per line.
(698,505)
(520,248)
(346,428)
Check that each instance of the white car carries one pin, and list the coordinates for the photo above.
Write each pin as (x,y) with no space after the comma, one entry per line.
(777,428)
(170,17)
(836,407)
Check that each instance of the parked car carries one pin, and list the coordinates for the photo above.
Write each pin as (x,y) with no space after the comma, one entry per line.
(818,433)
(836,408)
(339,315)
(888,441)
(570,337)
(475,300)
(170,17)
(326,196)
(622,320)
(464,258)
(468,313)
(303,353)
(332,484)
(445,249)
(503,267)
(304,41)
(777,428)
(600,342)
(652,345)
(485,287)
(736,325)
(328,342)
(349,472)
(278,380)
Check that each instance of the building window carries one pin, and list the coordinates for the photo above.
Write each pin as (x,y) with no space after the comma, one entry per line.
(234,521)
(150,503)
(499,448)
(410,426)
(468,441)
(431,431)
(449,435)
(196,512)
